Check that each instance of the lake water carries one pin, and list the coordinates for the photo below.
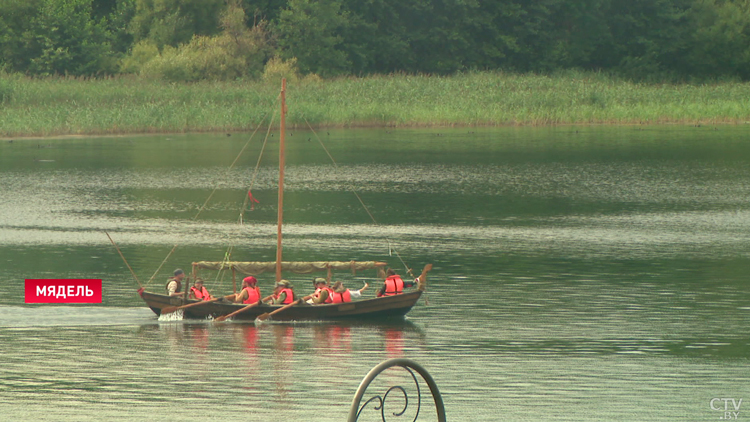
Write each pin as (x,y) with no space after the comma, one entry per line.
(580,273)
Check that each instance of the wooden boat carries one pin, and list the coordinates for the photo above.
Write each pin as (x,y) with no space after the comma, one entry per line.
(388,307)
(377,308)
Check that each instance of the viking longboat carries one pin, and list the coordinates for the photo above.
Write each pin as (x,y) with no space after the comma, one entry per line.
(377,308)
(365,309)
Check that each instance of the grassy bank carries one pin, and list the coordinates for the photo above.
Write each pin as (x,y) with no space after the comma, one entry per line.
(66,106)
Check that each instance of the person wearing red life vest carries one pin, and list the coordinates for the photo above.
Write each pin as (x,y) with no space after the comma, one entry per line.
(197,291)
(341,294)
(393,284)
(322,292)
(283,293)
(250,292)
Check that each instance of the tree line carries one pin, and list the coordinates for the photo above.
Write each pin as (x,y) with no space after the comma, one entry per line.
(186,40)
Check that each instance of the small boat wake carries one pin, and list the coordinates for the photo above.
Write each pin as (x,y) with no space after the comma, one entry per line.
(172,316)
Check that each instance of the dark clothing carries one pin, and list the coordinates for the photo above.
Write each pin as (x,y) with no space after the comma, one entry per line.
(173,286)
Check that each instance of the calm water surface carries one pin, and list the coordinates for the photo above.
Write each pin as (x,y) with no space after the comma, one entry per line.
(580,273)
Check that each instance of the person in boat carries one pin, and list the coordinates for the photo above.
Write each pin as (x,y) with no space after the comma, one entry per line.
(174,283)
(283,293)
(250,292)
(198,291)
(342,294)
(322,292)
(393,284)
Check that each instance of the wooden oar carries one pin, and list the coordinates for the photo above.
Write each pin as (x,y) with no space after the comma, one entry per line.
(170,309)
(422,279)
(265,316)
(241,310)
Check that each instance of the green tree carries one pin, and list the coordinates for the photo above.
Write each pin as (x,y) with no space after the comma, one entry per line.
(720,44)
(262,10)
(102,8)
(579,34)
(62,38)
(547,35)
(433,36)
(377,37)
(175,22)
(117,21)
(237,52)
(649,36)
(492,27)
(437,40)
(15,19)
(310,30)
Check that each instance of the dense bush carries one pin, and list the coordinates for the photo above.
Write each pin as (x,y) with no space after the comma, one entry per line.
(678,40)
(175,22)
(237,52)
(278,68)
(46,37)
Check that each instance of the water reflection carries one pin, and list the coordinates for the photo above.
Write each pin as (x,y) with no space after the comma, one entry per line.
(250,365)
(283,358)
(249,333)
(603,266)
(394,343)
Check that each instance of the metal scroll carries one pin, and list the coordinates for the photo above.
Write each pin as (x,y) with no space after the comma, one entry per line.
(378,402)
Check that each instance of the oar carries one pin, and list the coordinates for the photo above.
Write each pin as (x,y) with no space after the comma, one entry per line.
(265,316)
(422,279)
(170,309)
(241,310)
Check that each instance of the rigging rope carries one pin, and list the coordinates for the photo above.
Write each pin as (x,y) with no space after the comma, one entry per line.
(205,203)
(249,197)
(335,165)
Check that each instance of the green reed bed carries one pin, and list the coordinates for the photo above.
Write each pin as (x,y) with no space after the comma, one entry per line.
(62,106)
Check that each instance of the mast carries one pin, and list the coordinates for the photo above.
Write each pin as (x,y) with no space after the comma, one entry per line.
(282,136)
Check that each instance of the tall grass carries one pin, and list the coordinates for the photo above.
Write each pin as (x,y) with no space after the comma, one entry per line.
(61,106)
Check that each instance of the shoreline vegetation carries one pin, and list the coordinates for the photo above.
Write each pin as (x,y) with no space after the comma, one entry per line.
(61,106)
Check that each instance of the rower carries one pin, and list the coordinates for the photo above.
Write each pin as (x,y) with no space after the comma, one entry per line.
(283,293)
(250,292)
(342,294)
(198,291)
(174,284)
(393,284)
(322,292)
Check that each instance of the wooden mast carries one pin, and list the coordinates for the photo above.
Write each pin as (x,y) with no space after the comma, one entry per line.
(282,136)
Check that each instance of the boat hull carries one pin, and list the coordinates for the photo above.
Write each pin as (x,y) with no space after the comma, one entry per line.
(377,308)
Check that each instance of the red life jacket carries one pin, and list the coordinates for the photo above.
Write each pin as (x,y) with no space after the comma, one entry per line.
(330,294)
(253,295)
(341,297)
(201,294)
(394,285)
(289,296)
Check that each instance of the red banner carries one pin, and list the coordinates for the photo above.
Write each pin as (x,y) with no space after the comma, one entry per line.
(63,290)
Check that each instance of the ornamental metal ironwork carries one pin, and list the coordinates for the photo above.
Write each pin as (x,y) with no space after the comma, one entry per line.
(378,402)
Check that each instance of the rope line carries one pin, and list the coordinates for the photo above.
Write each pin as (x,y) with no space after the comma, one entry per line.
(257,169)
(216,188)
(336,166)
